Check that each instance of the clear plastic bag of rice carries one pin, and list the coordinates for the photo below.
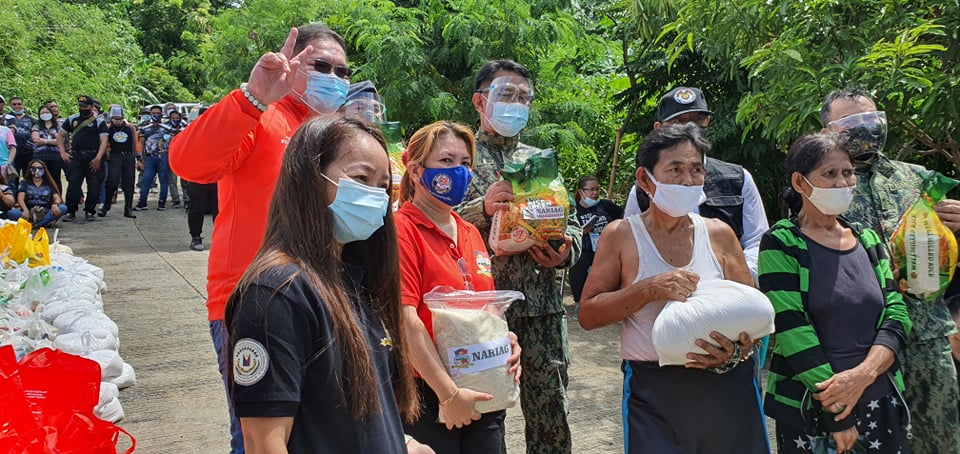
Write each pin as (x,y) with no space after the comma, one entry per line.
(473,340)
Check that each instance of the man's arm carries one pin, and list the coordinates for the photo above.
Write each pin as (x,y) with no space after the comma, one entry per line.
(218,142)
(726,249)
(754,222)
(608,299)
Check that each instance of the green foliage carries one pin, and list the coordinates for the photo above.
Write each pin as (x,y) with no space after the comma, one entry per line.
(423,55)
(794,53)
(46,53)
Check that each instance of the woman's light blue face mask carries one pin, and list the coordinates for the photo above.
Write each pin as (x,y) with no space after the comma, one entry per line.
(358,210)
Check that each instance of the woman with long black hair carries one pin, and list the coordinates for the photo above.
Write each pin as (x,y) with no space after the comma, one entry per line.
(315,338)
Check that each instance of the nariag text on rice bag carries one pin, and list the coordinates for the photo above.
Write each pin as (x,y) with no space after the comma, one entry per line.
(538,213)
(924,249)
(473,341)
(727,307)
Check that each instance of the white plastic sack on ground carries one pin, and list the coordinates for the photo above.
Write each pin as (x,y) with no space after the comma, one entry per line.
(108,392)
(51,309)
(111,364)
(109,408)
(724,306)
(57,248)
(111,411)
(126,379)
(21,345)
(86,319)
(86,342)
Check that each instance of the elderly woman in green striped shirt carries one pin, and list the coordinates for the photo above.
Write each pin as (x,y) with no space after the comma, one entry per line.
(834,380)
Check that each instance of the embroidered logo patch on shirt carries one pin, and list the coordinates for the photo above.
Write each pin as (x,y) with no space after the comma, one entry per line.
(120,137)
(250,362)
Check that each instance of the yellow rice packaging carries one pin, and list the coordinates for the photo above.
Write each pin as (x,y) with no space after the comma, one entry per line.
(924,249)
(539,211)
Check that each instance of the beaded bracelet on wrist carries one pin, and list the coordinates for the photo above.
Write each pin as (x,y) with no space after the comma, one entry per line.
(253,100)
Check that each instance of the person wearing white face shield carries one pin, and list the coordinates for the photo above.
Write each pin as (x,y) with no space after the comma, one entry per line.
(885,190)
(363,101)
(503,94)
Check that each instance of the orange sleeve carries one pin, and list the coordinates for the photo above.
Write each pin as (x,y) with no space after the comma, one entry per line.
(217,142)
(411,264)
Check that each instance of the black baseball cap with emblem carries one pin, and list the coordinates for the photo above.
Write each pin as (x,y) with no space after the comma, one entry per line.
(85,100)
(679,101)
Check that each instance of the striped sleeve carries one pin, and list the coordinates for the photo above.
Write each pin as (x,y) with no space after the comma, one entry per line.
(785,281)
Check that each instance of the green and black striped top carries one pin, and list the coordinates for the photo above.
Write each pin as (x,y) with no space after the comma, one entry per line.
(798,361)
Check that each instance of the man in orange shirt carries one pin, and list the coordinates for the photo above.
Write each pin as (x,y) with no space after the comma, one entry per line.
(239,144)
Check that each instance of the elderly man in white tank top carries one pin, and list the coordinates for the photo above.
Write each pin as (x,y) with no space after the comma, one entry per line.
(712,403)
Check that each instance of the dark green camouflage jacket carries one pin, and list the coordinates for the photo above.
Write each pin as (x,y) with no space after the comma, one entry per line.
(884,192)
(515,272)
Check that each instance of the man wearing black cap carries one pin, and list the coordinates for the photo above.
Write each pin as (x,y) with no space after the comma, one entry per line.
(88,146)
(732,195)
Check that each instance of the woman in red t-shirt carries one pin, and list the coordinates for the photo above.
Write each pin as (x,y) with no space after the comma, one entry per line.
(437,247)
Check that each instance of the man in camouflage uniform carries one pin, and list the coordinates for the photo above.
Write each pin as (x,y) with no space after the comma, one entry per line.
(885,189)
(502,98)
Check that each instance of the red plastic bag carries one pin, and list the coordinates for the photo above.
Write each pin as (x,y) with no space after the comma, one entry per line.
(87,434)
(55,399)
(17,424)
(46,405)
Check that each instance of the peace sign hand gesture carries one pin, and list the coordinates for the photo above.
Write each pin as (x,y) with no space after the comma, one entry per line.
(272,76)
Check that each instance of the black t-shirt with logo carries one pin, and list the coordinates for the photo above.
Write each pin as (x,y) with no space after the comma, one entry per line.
(22,131)
(35,195)
(120,138)
(605,211)
(88,138)
(284,360)
(49,152)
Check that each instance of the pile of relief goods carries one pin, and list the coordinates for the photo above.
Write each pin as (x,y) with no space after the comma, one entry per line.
(52,299)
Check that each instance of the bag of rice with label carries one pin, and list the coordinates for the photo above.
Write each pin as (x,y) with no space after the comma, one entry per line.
(727,307)
(924,249)
(538,213)
(473,340)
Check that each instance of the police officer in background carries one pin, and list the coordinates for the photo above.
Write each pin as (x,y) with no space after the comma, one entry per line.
(88,146)
(124,159)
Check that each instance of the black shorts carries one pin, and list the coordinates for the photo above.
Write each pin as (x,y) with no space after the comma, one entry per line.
(675,410)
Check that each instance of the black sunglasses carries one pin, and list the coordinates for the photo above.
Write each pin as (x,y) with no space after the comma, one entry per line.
(323,66)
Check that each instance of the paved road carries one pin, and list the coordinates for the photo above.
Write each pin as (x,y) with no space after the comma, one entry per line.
(156,295)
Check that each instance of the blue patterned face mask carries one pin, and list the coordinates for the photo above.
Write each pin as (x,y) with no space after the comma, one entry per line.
(325,93)
(508,118)
(358,210)
(449,185)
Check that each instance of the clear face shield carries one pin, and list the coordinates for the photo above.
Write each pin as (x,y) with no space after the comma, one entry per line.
(508,104)
(367,106)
